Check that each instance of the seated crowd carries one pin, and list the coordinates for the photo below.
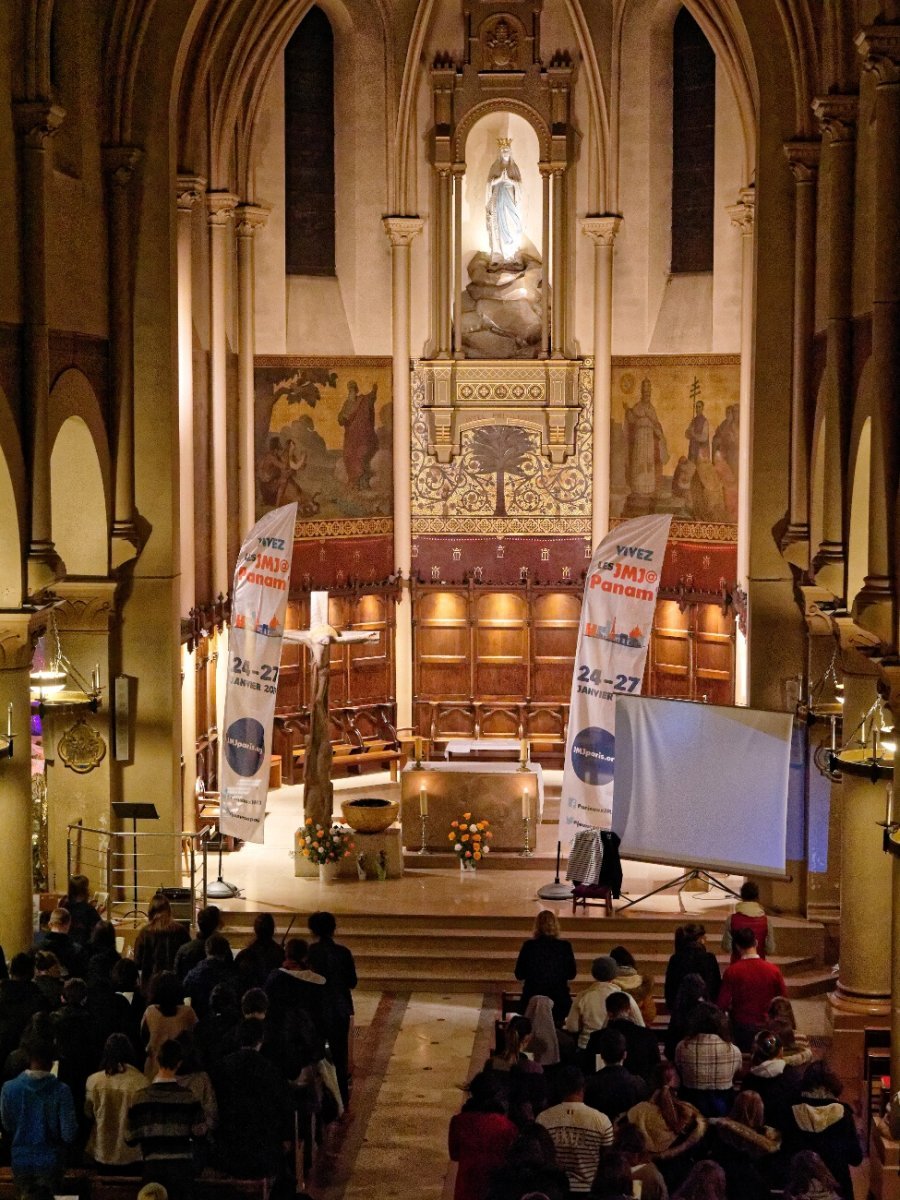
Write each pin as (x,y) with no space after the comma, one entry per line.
(578,1100)
(183,1059)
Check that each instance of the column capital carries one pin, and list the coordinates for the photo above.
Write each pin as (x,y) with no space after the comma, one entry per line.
(219,207)
(601,230)
(402,230)
(19,632)
(120,163)
(248,218)
(743,212)
(86,607)
(803,160)
(879,46)
(837,115)
(188,190)
(36,121)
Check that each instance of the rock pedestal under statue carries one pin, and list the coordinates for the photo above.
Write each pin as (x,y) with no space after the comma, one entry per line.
(501,308)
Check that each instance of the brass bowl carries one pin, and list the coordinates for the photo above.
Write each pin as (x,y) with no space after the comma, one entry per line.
(370,814)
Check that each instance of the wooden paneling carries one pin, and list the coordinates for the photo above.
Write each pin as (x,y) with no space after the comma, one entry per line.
(206,658)
(691,653)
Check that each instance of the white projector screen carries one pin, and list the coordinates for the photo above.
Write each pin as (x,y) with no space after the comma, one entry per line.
(698,785)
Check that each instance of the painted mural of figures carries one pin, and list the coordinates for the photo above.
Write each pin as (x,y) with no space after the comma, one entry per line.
(697,434)
(725,439)
(357,416)
(503,207)
(647,450)
(278,481)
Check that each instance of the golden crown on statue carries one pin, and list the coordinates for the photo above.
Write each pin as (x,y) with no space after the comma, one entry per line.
(504,143)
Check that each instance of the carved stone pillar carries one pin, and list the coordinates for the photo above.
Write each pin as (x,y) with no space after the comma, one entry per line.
(837,119)
(742,218)
(18,634)
(458,177)
(876,604)
(400,232)
(189,189)
(803,158)
(547,257)
(602,232)
(249,218)
(220,207)
(557,319)
(36,122)
(443,243)
(120,163)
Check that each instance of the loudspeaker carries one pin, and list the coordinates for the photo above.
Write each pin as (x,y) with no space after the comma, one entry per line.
(180,900)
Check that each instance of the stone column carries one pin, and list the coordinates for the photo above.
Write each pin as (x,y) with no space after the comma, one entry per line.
(876,603)
(547,257)
(18,633)
(120,163)
(189,189)
(837,119)
(36,122)
(458,176)
(557,319)
(742,218)
(400,232)
(220,207)
(249,218)
(803,158)
(442,237)
(602,232)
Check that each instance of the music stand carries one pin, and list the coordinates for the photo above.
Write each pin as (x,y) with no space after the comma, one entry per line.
(125,810)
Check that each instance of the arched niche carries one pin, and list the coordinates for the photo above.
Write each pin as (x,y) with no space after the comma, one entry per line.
(480,152)
(12,484)
(79,476)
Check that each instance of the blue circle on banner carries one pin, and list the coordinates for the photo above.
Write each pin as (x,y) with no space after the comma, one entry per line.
(594,755)
(245,746)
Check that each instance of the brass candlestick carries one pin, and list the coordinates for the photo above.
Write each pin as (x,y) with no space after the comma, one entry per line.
(423,849)
(527,852)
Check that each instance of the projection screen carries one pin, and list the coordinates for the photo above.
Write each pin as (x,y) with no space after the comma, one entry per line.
(698,785)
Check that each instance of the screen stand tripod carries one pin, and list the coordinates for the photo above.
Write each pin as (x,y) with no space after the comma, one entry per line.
(681,882)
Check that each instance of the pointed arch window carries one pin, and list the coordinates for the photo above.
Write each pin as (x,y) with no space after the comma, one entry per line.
(693,147)
(309,147)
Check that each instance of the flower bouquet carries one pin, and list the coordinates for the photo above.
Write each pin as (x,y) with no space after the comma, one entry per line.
(323,846)
(470,840)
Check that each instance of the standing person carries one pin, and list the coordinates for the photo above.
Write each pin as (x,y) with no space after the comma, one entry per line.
(163,1120)
(588,1013)
(165,1017)
(59,941)
(707,1063)
(260,957)
(810,1179)
(158,942)
(48,978)
(777,1084)
(820,1122)
(641,1044)
(102,952)
(691,957)
(745,1147)
(706,1181)
(748,988)
(20,999)
(215,969)
(480,1138)
(335,963)
(255,1109)
(83,914)
(613,1089)
(579,1133)
(79,1039)
(630,980)
(521,1079)
(38,1115)
(546,966)
(108,1096)
(192,953)
(749,914)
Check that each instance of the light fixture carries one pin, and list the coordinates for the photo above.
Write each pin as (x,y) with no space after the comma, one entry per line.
(49,690)
(826,703)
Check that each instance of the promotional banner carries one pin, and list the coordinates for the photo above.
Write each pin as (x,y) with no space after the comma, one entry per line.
(613,636)
(258,605)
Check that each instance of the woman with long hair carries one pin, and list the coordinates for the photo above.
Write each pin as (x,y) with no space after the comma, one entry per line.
(83,915)
(744,1146)
(521,1078)
(820,1122)
(480,1138)
(102,953)
(770,1076)
(159,940)
(546,965)
(108,1094)
(165,1018)
(691,1004)
(706,1181)
(797,1051)
(810,1179)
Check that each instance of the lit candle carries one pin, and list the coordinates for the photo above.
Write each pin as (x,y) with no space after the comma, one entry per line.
(888,804)
(526,804)
(97,684)
(423,802)
(9,719)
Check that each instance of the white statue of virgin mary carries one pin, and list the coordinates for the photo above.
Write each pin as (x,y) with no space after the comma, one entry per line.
(503,207)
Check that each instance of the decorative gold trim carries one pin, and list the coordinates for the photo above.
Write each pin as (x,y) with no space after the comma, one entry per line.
(344,527)
(81,748)
(694,531)
(290,361)
(500,527)
(676,360)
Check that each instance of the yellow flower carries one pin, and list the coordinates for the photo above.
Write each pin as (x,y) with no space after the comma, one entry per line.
(451,837)
(466,816)
(464,838)
(477,854)
(454,824)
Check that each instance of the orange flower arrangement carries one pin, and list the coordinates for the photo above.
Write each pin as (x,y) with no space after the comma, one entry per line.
(470,839)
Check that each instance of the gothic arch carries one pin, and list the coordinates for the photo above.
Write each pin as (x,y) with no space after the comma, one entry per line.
(12,485)
(79,476)
(858,480)
(525,111)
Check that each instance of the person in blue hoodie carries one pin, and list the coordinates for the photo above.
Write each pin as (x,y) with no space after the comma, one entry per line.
(38,1114)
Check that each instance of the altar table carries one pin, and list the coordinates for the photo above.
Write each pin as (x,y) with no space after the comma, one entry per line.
(491,790)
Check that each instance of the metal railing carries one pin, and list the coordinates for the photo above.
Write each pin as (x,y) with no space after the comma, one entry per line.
(127,869)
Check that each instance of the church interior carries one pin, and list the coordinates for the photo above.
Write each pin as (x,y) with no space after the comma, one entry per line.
(471,283)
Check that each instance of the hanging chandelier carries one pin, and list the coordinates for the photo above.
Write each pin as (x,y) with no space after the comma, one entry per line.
(59,685)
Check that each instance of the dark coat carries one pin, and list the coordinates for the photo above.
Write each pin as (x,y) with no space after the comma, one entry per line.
(255,1114)
(641,1045)
(545,965)
(692,961)
(614,1090)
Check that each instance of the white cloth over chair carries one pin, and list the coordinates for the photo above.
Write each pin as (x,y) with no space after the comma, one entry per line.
(586,857)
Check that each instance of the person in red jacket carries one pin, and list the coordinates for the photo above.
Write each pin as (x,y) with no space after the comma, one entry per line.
(480,1138)
(749,913)
(748,988)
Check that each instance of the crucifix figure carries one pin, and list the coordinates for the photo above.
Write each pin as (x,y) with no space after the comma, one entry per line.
(318,791)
